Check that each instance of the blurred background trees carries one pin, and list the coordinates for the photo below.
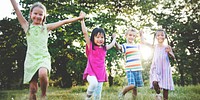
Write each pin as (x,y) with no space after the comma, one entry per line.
(180,19)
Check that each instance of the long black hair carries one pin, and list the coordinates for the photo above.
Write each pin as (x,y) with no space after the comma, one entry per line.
(95,32)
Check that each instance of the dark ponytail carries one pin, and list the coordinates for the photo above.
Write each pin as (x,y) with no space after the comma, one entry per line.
(154,36)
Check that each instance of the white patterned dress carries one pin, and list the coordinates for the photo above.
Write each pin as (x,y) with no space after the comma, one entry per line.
(161,69)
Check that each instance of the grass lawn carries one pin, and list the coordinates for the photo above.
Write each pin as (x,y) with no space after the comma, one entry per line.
(108,93)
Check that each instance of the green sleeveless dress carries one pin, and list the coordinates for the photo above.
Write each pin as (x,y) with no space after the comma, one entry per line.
(37,54)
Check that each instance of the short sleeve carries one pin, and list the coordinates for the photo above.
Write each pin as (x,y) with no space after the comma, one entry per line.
(123,46)
(87,49)
(139,46)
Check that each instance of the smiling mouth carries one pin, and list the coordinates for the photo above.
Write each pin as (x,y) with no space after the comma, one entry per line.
(38,19)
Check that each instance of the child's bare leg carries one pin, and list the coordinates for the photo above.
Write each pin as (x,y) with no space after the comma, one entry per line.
(134,94)
(127,88)
(33,87)
(156,87)
(43,77)
(165,94)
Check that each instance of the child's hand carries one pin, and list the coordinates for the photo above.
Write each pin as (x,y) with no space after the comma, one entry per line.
(168,49)
(114,35)
(82,15)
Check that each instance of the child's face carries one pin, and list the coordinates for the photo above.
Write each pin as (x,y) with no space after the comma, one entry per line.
(99,39)
(160,36)
(37,15)
(130,36)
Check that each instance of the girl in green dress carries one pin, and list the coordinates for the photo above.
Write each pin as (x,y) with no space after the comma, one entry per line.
(38,61)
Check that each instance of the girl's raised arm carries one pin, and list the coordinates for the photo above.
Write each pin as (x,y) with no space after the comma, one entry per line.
(22,20)
(112,43)
(118,46)
(55,25)
(85,33)
(142,40)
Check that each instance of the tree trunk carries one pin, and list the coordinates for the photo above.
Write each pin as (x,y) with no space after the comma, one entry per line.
(194,79)
(182,83)
(110,78)
(182,77)
(66,81)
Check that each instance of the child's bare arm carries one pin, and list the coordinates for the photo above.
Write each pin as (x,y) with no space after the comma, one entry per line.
(55,25)
(142,39)
(170,52)
(22,20)
(85,33)
(118,46)
(112,43)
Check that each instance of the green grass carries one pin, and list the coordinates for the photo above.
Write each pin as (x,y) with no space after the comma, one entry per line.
(108,93)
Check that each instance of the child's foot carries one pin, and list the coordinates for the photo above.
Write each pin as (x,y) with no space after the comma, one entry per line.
(134,97)
(43,98)
(88,97)
(158,97)
(32,97)
(120,96)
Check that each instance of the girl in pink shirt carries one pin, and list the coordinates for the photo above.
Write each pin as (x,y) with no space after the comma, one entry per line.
(95,71)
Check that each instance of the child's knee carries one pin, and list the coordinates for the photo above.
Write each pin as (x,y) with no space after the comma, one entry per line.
(155,83)
(33,86)
(132,86)
(43,73)
(94,84)
(156,87)
(92,87)
(33,89)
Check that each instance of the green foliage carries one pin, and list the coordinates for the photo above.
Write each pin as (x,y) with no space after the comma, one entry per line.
(183,28)
(67,46)
(12,54)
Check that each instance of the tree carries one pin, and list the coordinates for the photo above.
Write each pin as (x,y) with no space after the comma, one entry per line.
(67,45)
(181,21)
(64,53)
(12,54)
